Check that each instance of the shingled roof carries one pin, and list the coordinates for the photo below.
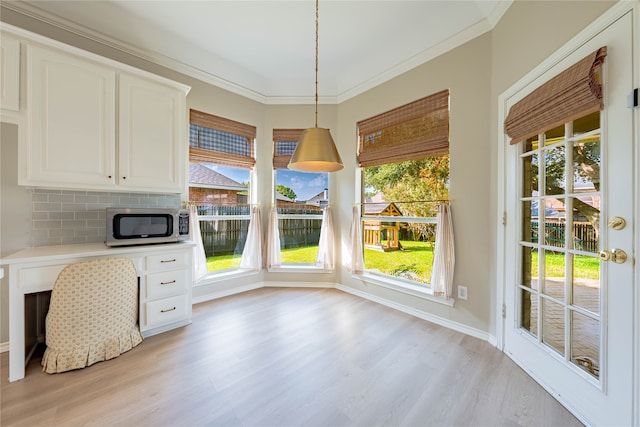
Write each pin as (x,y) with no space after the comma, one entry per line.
(202,176)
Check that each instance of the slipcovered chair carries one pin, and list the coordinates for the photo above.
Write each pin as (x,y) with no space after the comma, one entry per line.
(93,314)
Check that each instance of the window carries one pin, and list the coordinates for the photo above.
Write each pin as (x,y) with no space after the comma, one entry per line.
(221,154)
(300,198)
(404,156)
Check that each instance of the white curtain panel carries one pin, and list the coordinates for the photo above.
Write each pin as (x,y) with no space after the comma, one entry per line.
(199,258)
(444,259)
(252,252)
(357,256)
(272,255)
(326,244)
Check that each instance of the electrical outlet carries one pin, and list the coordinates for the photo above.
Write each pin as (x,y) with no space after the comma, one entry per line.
(462,292)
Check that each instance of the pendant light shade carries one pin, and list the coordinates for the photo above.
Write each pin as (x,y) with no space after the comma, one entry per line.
(316,151)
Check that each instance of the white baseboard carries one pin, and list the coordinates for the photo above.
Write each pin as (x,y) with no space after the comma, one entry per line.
(419,313)
(300,285)
(4,347)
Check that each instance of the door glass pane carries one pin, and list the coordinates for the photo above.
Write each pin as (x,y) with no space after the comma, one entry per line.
(529,267)
(530,221)
(554,162)
(529,314)
(586,222)
(531,144)
(585,343)
(586,164)
(554,135)
(553,324)
(530,175)
(586,124)
(554,224)
(586,283)
(554,274)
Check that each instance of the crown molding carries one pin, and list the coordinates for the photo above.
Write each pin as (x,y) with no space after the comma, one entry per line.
(427,55)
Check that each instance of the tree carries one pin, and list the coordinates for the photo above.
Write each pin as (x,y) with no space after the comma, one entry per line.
(414,185)
(286,191)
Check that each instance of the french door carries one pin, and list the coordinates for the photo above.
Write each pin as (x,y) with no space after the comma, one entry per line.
(569,271)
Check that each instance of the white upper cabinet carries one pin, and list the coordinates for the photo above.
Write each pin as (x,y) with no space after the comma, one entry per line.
(71,121)
(94,124)
(151,129)
(9,73)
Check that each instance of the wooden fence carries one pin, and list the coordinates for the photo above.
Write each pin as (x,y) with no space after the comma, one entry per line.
(221,236)
(585,237)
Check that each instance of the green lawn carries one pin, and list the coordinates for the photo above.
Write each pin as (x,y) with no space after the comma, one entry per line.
(296,255)
(414,262)
(584,267)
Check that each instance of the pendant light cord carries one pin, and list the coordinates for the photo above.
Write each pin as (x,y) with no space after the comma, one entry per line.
(316,63)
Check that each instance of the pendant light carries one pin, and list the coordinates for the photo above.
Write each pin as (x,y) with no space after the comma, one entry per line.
(316,151)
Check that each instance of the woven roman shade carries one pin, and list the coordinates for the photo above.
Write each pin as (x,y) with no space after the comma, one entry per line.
(574,93)
(285,142)
(414,131)
(214,139)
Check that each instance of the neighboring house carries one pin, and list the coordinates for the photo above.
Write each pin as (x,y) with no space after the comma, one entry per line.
(321,199)
(209,186)
(283,201)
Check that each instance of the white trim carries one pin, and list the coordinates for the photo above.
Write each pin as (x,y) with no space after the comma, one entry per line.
(281,284)
(636,136)
(596,27)
(226,293)
(298,268)
(509,97)
(222,276)
(427,55)
(459,327)
(30,37)
(404,286)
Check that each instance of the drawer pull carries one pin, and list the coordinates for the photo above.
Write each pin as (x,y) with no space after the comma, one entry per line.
(168,283)
(168,310)
(167,260)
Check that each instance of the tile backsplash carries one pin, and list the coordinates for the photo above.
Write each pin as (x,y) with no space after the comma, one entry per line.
(61,217)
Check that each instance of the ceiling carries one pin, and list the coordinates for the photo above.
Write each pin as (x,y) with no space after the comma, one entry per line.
(266,49)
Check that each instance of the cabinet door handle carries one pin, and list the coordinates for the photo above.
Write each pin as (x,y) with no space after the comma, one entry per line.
(167,260)
(168,283)
(124,177)
(109,176)
(167,310)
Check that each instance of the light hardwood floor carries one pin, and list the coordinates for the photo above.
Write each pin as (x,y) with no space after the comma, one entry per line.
(290,357)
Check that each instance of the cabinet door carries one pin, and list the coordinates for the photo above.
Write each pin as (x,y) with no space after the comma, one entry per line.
(9,73)
(151,136)
(71,115)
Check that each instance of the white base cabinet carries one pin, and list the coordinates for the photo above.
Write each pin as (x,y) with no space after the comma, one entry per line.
(165,279)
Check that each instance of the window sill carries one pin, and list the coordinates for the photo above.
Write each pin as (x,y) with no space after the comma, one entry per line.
(298,268)
(403,286)
(222,276)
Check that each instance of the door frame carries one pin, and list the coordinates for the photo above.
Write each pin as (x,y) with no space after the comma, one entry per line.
(507,169)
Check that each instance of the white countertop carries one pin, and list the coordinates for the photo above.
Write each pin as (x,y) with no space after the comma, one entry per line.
(42,253)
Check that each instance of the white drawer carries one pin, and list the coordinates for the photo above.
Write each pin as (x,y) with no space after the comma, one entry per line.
(167,283)
(39,279)
(166,310)
(168,261)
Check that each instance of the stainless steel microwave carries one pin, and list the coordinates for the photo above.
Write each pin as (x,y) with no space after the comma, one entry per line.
(142,226)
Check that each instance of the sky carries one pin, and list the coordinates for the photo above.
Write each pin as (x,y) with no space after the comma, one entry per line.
(305,184)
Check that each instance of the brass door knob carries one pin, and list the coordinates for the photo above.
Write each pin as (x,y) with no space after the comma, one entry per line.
(616,255)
